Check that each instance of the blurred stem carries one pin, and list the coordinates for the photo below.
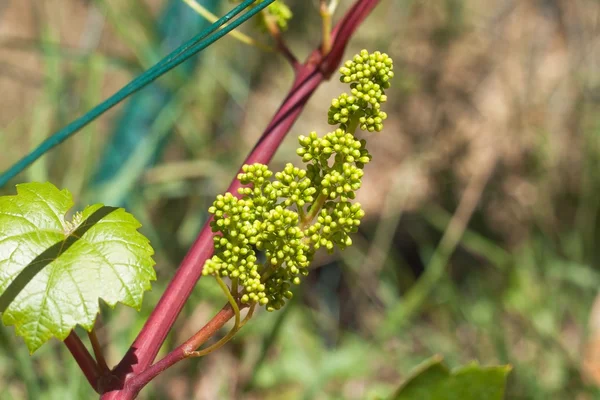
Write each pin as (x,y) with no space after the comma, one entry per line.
(84,359)
(471,240)
(42,115)
(282,46)
(131,20)
(210,17)
(85,156)
(188,169)
(248,315)
(587,209)
(326,12)
(120,185)
(54,49)
(436,267)
(98,351)
(40,122)
(140,38)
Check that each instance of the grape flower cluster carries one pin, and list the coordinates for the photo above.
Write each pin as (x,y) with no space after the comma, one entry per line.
(266,237)
(368,75)
(277,11)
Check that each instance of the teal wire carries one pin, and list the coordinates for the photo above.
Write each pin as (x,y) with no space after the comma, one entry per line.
(179,55)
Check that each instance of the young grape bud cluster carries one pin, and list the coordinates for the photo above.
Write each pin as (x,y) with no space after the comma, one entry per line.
(261,222)
(280,12)
(368,76)
(277,11)
(294,186)
(334,224)
(265,240)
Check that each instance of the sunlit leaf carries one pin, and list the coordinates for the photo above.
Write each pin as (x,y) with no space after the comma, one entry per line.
(53,271)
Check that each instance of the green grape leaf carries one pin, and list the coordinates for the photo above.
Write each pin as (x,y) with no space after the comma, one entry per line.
(433,380)
(53,271)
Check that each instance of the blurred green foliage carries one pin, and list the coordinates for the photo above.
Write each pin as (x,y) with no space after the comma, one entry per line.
(516,80)
(432,380)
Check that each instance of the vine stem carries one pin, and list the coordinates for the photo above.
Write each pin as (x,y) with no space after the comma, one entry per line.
(136,369)
(84,359)
(313,211)
(102,365)
(185,350)
(231,333)
(326,26)
(282,46)
(354,121)
(180,353)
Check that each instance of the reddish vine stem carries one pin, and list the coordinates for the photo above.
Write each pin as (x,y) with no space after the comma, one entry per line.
(97,348)
(282,46)
(183,351)
(308,77)
(84,359)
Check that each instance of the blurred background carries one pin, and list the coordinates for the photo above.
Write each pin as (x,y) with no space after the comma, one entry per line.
(482,228)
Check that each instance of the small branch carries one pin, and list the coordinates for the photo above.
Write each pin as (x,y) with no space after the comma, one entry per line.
(313,211)
(234,287)
(98,352)
(268,270)
(248,315)
(232,301)
(84,359)
(354,121)
(234,329)
(209,329)
(216,346)
(326,27)
(187,349)
(282,47)
(184,350)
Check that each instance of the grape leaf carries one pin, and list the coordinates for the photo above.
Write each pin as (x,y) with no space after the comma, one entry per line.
(53,271)
(432,380)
